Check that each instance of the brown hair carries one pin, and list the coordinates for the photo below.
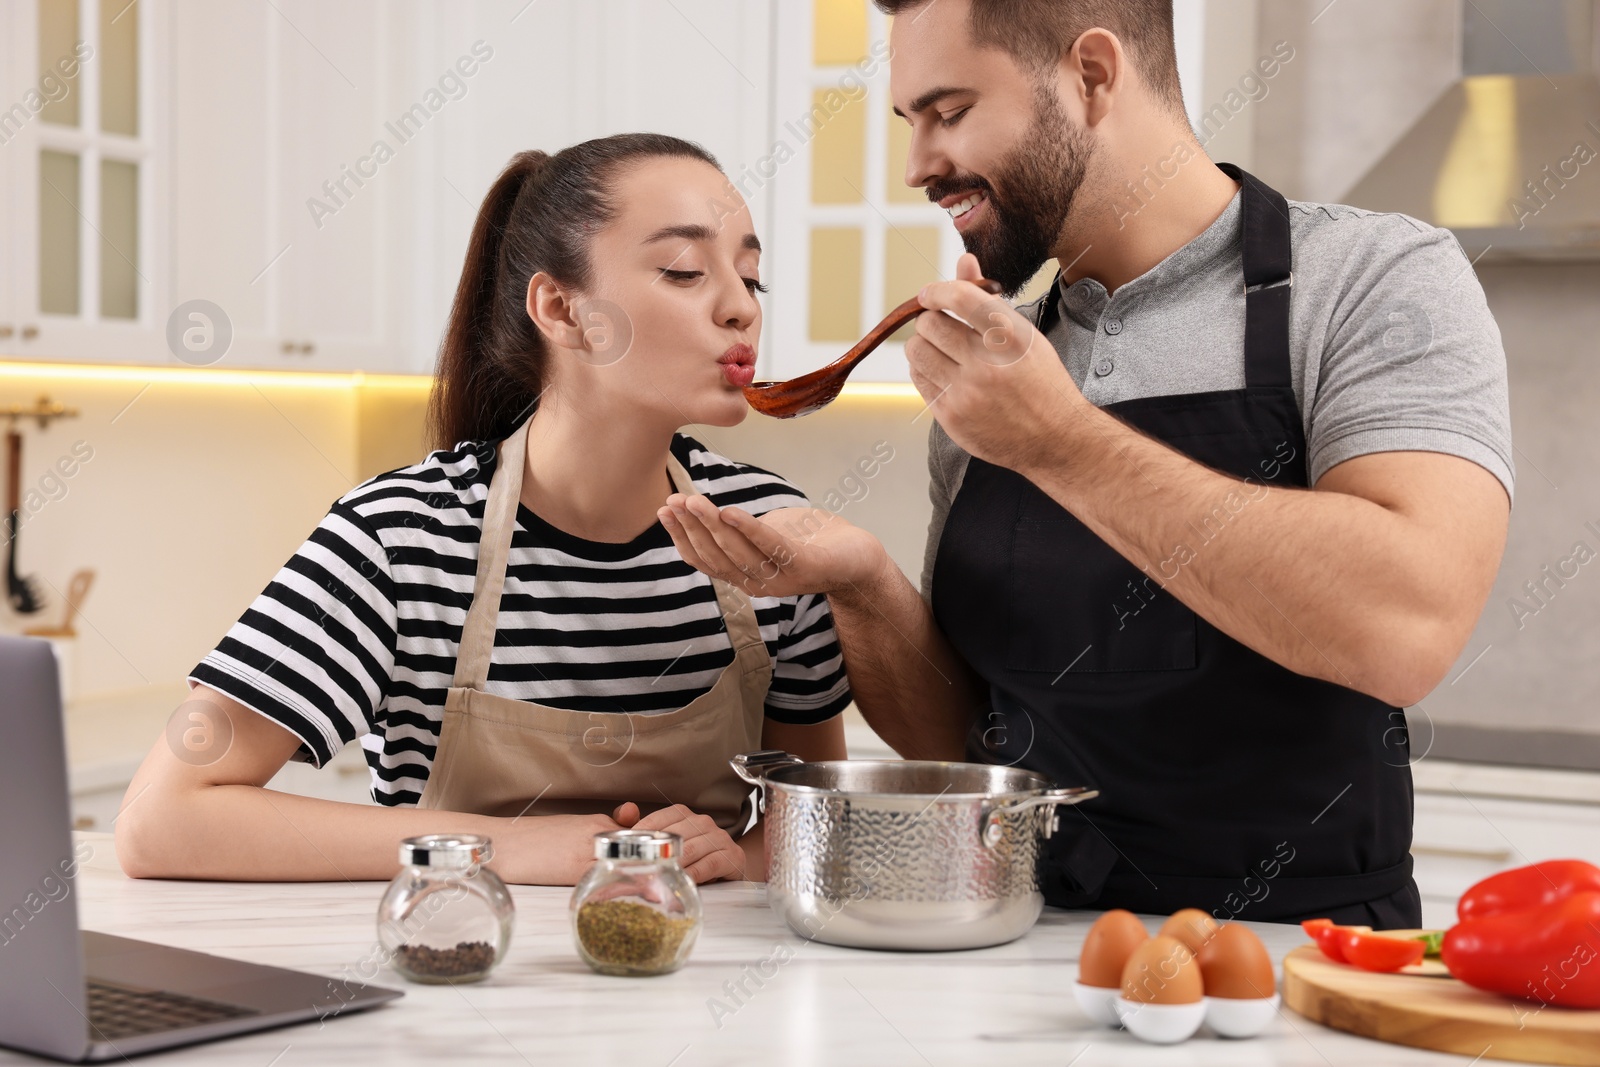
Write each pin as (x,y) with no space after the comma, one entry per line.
(540,214)
(1037,33)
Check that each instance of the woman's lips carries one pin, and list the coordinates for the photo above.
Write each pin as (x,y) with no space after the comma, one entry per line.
(739,365)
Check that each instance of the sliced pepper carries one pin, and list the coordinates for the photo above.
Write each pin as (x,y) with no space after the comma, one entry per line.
(1327,936)
(1376,952)
(1321,931)
(1536,885)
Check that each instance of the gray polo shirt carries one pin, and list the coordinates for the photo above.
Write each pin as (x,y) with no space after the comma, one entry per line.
(1391,343)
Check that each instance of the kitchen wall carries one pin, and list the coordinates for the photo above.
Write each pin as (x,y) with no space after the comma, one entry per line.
(198,487)
(1540,665)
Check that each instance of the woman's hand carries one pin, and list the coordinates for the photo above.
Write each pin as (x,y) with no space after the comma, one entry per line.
(783,553)
(709,852)
(559,849)
(549,849)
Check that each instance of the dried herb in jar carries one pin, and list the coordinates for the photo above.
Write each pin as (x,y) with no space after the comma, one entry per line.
(467,958)
(622,933)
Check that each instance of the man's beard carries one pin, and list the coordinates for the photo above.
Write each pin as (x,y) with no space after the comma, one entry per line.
(1041,177)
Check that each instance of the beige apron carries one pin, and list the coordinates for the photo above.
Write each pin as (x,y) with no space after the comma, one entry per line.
(501,756)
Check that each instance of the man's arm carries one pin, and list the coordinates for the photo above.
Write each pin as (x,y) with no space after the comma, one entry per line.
(1374,579)
(913,688)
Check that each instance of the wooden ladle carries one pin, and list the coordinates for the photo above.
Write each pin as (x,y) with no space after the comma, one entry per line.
(819,388)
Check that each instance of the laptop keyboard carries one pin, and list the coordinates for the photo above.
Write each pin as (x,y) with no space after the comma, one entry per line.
(117,1011)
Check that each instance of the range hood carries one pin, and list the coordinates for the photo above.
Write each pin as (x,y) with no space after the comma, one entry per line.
(1508,157)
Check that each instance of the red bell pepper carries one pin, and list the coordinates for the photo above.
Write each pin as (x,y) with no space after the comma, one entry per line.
(1534,886)
(1548,953)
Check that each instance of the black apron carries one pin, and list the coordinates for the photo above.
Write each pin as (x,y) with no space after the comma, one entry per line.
(1228,783)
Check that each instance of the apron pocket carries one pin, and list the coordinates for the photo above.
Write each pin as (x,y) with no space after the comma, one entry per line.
(1074,603)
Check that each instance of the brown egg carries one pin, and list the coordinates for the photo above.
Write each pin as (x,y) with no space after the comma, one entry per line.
(1107,946)
(1191,926)
(1235,965)
(1162,971)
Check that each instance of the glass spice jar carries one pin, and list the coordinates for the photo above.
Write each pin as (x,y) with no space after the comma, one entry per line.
(445,917)
(636,912)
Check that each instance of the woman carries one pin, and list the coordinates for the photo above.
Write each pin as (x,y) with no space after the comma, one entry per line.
(505,627)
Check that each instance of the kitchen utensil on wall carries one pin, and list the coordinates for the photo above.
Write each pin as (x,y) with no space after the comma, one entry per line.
(77,590)
(819,388)
(22,592)
(904,854)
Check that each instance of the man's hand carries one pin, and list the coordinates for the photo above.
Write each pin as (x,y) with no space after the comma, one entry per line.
(783,553)
(997,385)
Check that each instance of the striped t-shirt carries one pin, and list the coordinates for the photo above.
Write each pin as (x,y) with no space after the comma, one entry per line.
(357,635)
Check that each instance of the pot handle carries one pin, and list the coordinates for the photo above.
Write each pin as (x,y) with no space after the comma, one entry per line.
(753,766)
(1051,798)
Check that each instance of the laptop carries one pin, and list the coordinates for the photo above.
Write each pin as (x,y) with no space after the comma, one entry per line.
(82,996)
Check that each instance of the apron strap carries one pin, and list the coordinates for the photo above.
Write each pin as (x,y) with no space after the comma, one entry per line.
(1268,279)
(494,546)
(738,612)
(1266,254)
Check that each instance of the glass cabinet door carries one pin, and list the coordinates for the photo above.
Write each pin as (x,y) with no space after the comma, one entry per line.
(78,173)
(859,239)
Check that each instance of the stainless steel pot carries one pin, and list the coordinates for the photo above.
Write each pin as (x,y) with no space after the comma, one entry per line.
(904,854)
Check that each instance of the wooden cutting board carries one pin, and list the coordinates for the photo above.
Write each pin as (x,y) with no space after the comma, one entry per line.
(1427,1011)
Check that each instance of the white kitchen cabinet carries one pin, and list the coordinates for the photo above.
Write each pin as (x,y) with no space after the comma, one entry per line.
(512,71)
(275,106)
(408,110)
(84,171)
(311,171)
(11,89)
(561,73)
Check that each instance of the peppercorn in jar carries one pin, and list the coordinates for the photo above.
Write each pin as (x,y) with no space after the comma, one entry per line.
(445,917)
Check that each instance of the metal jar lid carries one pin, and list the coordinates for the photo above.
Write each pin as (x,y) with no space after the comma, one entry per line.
(637,845)
(449,851)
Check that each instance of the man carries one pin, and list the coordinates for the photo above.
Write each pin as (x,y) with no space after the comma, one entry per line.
(1202,524)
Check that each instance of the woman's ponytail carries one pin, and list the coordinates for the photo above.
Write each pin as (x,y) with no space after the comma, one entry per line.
(539,215)
(475,395)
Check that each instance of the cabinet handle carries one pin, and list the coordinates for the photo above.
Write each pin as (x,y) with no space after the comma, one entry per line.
(6,330)
(306,348)
(30,332)
(84,822)
(1493,855)
(288,348)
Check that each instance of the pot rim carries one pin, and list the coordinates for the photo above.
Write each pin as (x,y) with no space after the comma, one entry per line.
(773,776)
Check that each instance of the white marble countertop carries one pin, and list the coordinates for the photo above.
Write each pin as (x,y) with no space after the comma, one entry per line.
(1010,1005)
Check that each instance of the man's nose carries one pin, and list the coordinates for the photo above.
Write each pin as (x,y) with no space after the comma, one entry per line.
(923,164)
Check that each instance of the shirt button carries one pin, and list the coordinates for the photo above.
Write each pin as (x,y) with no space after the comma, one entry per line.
(1103,368)
(1113,326)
